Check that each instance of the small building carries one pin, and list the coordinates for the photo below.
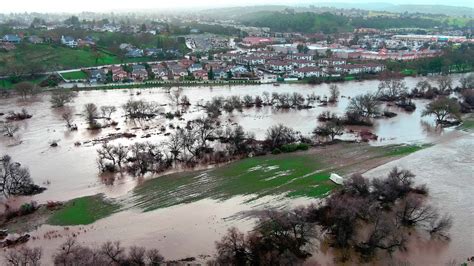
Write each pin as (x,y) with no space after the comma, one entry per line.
(68,41)
(195,67)
(35,39)
(12,38)
(139,72)
(97,75)
(118,74)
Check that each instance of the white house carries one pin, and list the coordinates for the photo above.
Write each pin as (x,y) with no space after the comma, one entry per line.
(69,41)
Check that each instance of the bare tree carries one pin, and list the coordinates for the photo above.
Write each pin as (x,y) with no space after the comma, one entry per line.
(23,256)
(392,89)
(113,251)
(8,129)
(279,135)
(175,96)
(140,109)
(232,248)
(441,226)
(333,93)
(67,117)
(108,110)
(91,113)
(467,81)
(365,105)
(62,96)
(445,83)
(15,179)
(154,257)
(413,211)
(24,89)
(329,129)
(109,156)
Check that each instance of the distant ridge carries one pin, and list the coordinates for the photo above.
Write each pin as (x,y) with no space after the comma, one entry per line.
(455,11)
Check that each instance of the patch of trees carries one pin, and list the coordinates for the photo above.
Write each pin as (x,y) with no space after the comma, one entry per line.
(13,116)
(186,146)
(388,207)
(298,22)
(295,100)
(15,179)
(140,109)
(364,217)
(279,238)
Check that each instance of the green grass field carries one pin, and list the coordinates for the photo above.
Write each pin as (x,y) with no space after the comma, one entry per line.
(405,149)
(74,75)
(4,83)
(467,122)
(85,210)
(54,57)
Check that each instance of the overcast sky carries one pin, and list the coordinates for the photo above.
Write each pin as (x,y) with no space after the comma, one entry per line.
(107,5)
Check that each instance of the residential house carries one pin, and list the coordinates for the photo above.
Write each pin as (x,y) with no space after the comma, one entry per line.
(97,75)
(118,74)
(153,52)
(302,63)
(299,56)
(12,38)
(35,39)
(177,71)
(135,52)
(195,67)
(328,62)
(308,72)
(160,71)
(200,74)
(219,73)
(279,65)
(139,72)
(68,41)
(251,60)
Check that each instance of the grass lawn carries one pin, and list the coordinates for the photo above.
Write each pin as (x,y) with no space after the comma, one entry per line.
(84,210)
(467,122)
(54,57)
(408,72)
(9,85)
(74,75)
(405,149)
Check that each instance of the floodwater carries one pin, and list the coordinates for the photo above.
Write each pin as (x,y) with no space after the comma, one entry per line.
(70,171)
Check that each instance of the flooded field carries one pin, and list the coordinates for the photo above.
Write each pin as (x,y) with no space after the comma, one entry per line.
(69,171)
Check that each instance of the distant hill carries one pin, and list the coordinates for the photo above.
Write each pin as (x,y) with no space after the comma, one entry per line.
(303,6)
(433,9)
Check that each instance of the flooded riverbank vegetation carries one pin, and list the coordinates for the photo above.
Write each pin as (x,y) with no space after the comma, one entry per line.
(163,149)
(362,221)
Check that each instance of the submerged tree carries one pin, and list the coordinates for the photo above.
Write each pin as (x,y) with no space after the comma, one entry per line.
(61,97)
(443,108)
(15,179)
(365,105)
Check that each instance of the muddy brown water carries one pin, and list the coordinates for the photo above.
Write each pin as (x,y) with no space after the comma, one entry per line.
(188,230)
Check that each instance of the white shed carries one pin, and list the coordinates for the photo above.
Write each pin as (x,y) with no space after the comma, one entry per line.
(336,178)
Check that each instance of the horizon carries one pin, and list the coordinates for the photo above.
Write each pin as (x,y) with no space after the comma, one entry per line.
(49,6)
